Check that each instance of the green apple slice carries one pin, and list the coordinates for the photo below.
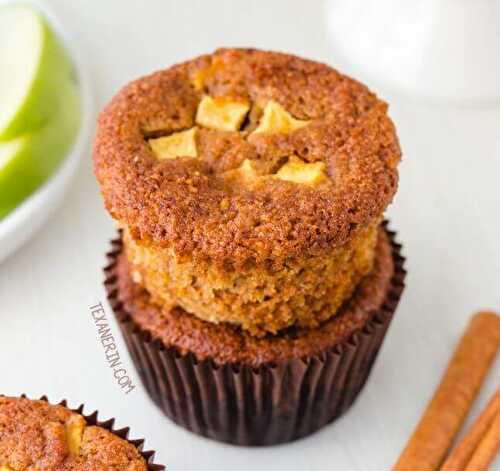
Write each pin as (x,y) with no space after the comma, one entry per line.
(28,160)
(32,63)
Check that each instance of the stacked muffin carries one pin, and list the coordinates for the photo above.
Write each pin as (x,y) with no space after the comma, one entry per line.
(250,188)
(38,435)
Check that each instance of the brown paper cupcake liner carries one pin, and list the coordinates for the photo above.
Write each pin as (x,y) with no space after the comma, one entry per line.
(240,404)
(123,433)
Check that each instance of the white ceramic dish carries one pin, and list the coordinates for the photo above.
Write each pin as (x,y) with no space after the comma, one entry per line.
(441,51)
(24,222)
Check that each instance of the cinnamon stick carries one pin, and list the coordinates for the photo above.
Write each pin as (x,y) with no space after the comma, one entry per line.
(462,453)
(459,386)
(487,449)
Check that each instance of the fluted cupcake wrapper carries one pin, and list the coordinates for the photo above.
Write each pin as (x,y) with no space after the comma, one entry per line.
(123,433)
(244,405)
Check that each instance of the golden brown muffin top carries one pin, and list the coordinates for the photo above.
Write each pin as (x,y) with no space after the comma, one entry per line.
(246,155)
(45,437)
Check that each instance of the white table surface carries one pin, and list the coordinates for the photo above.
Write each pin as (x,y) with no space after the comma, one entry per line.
(446,212)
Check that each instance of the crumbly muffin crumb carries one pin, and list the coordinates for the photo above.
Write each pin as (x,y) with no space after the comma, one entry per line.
(225,343)
(260,298)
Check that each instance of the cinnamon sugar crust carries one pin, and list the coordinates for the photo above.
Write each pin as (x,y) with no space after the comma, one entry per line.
(45,437)
(186,203)
(225,343)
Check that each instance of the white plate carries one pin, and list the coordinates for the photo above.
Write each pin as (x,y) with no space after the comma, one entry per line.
(24,222)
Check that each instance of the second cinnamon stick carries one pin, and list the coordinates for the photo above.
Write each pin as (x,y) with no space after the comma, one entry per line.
(463,452)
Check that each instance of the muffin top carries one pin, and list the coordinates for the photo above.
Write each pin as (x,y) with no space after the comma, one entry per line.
(37,435)
(246,155)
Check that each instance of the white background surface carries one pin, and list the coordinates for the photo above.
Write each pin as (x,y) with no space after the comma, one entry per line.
(446,213)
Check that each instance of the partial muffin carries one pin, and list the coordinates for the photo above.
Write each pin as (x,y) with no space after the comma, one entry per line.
(37,435)
(250,185)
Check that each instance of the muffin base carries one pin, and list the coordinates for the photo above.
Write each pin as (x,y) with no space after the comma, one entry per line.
(274,402)
(123,433)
